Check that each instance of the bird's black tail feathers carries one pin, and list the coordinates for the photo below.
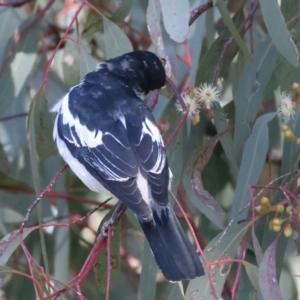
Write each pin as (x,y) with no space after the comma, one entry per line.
(173,252)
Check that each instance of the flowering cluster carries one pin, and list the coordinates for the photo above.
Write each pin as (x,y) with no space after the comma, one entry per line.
(275,224)
(196,98)
(286,107)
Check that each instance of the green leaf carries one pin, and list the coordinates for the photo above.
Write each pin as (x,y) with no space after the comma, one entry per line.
(12,80)
(94,23)
(253,159)
(61,235)
(267,275)
(100,267)
(176,18)
(86,61)
(252,272)
(69,62)
(9,216)
(228,22)
(10,22)
(36,177)
(133,219)
(207,64)
(154,28)
(224,246)
(248,97)
(10,242)
(8,184)
(175,152)
(116,41)
(279,32)
(43,125)
(123,11)
(176,292)
(226,138)
(192,182)
(257,248)
(147,287)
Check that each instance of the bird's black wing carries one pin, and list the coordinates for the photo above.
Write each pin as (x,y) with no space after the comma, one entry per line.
(118,152)
(148,145)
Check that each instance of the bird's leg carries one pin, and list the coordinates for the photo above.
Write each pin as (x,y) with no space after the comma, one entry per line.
(118,212)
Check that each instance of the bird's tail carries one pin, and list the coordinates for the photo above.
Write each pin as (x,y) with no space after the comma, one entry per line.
(172,250)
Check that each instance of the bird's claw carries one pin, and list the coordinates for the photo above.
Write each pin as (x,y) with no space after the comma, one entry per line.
(104,228)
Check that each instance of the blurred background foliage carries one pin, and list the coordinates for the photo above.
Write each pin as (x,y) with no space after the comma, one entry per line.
(250,50)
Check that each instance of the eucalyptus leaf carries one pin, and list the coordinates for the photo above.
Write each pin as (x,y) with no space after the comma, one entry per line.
(176,292)
(13,185)
(86,61)
(123,11)
(248,97)
(207,63)
(226,138)
(223,247)
(267,275)
(9,216)
(100,267)
(176,15)
(252,272)
(94,23)
(147,286)
(193,183)
(116,41)
(12,80)
(278,31)
(253,159)
(220,4)
(257,248)
(43,125)
(154,28)
(10,21)
(10,242)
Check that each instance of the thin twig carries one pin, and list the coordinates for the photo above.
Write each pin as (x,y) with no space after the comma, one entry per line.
(183,116)
(97,248)
(38,199)
(198,11)
(186,208)
(21,115)
(225,46)
(199,249)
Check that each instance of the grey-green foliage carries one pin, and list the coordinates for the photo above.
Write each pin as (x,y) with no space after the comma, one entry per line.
(215,163)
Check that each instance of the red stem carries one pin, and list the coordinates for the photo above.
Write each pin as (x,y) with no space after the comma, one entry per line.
(108,253)
(239,268)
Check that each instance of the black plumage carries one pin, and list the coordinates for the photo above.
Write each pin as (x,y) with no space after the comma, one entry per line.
(108,136)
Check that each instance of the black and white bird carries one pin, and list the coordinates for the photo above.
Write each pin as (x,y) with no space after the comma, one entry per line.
(109,138)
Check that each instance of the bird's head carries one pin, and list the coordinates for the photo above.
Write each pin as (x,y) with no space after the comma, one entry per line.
(142,70)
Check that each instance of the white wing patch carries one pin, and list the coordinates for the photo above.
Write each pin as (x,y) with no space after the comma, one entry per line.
(143,187)
(152,130)
(79,169)
(87,138)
